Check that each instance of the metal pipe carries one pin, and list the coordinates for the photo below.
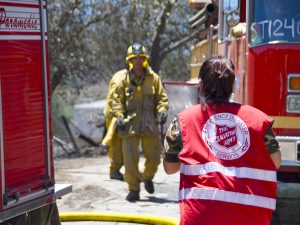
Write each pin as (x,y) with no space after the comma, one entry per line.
(288,138)
(209,8)
(199,22)
(226,39)
(211,33)
(2,144)
(43,29)
(221,21)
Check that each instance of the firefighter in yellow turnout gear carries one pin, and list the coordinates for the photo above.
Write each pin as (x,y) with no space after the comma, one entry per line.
(111,139)
(139,95)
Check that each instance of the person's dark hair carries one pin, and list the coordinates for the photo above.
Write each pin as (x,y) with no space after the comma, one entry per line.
(217,77)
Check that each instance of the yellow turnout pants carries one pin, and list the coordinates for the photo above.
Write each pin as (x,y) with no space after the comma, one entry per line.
(151,148)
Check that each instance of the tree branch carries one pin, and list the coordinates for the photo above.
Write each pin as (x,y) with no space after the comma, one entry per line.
(155,50)
(172,46)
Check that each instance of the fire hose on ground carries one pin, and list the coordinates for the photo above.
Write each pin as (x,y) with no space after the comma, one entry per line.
(116,217)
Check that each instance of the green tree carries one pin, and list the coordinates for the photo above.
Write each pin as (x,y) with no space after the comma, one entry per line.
(89,38)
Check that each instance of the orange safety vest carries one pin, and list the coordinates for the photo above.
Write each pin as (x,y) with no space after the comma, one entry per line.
(226,175)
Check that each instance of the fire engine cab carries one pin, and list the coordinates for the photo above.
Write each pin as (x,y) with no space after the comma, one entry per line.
(26,162)
(262,38)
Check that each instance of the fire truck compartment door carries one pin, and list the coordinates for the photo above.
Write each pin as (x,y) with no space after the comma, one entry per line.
(26,165)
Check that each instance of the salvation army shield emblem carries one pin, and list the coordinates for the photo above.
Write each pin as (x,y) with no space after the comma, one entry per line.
(226,135)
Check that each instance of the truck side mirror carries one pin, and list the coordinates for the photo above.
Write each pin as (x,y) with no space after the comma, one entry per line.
(231,10)
(232,19)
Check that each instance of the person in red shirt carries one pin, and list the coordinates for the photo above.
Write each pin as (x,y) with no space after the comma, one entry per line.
(227,155)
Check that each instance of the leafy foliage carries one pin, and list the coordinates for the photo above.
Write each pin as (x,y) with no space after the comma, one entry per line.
(89,38)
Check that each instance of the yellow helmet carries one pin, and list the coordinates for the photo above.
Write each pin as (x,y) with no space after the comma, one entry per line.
(134,50)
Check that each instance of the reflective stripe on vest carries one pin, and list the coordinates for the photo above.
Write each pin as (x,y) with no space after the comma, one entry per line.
(240,172)
(227,196)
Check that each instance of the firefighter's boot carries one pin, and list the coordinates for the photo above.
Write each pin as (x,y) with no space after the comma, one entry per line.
(117,175)
(149,186)
(133,196)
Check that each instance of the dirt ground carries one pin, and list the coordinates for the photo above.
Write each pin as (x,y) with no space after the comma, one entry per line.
(93,191)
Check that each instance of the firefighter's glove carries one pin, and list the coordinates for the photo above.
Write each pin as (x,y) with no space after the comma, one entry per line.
(121,123)
(162,117)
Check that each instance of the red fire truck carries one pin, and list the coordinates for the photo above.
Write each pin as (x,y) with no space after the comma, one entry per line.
(26,172)
(262,38)
(265,51)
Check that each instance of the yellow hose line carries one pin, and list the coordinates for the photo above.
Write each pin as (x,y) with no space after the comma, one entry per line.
(116,217)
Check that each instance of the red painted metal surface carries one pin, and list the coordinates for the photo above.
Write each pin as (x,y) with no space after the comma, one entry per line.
(23,93)
(268,68)
(243,11)
(23,116)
